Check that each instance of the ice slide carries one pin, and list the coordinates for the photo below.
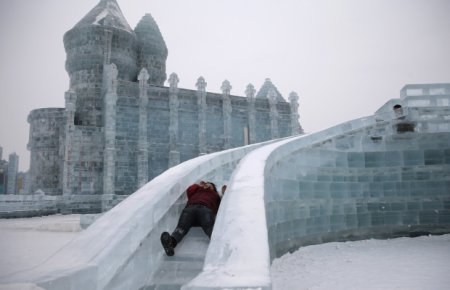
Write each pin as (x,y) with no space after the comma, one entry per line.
(372,177)
(121,250)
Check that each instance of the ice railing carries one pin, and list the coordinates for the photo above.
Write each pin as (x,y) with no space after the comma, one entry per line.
(121,250)
(238,256)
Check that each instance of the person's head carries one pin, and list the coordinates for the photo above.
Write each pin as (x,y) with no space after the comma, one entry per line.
(208,185)
(213,186)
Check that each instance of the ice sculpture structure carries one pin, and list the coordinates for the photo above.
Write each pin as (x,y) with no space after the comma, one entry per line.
(381,176)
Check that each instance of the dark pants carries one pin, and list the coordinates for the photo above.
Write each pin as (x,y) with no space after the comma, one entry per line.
(195,215)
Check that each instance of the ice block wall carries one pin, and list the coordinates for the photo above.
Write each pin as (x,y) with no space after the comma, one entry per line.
(375,182)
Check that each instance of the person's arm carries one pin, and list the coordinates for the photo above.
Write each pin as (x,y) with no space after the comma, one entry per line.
(224,188)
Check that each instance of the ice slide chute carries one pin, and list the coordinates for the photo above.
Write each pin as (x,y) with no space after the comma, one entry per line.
(121,250)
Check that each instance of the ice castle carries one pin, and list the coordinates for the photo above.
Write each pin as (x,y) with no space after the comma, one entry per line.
(121,126)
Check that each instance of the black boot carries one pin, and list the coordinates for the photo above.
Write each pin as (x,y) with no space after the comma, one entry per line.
(168,243)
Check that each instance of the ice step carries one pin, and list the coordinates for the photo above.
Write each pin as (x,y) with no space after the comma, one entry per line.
(187,262)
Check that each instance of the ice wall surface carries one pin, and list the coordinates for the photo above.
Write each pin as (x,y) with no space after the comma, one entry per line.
(375,182)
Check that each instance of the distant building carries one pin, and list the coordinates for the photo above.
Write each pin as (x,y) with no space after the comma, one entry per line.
(13,169)
(3,173)
(121,126)
(9,172)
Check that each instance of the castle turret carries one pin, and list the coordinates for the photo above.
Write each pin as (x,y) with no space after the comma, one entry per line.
(46,134)
(102,37)
(152,50)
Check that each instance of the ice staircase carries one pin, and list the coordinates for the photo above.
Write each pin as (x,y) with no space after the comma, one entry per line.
(382,175)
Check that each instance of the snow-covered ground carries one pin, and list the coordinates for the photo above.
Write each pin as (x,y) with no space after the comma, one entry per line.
(403,263)
(26,243)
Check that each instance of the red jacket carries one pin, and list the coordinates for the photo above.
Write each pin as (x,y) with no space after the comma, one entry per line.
(207,197)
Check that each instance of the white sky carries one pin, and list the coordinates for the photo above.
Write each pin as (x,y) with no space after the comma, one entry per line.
(345,58)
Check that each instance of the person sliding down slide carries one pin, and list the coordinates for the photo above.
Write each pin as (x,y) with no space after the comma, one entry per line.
(200,211)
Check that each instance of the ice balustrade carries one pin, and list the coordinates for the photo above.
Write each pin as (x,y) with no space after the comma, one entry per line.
(121,250)
(356,180)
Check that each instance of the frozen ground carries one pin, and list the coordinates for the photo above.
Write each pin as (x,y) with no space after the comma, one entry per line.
(403,263)
(26,243)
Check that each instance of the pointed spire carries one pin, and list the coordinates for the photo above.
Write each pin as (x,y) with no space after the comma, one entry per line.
(152,49)
(266,88)
(106,13)
(148,33)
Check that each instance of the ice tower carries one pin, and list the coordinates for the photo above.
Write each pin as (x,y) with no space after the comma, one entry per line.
(102,37)
(152,50)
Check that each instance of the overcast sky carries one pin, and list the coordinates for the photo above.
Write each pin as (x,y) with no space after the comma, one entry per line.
(345,58)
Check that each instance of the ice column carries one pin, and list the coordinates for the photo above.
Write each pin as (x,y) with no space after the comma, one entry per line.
(227,109)
(110,101)
(201,102)
(71,99)
(295,125)
(142,141)
(108,45)
(250,93)
(174,153)
(272,96)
